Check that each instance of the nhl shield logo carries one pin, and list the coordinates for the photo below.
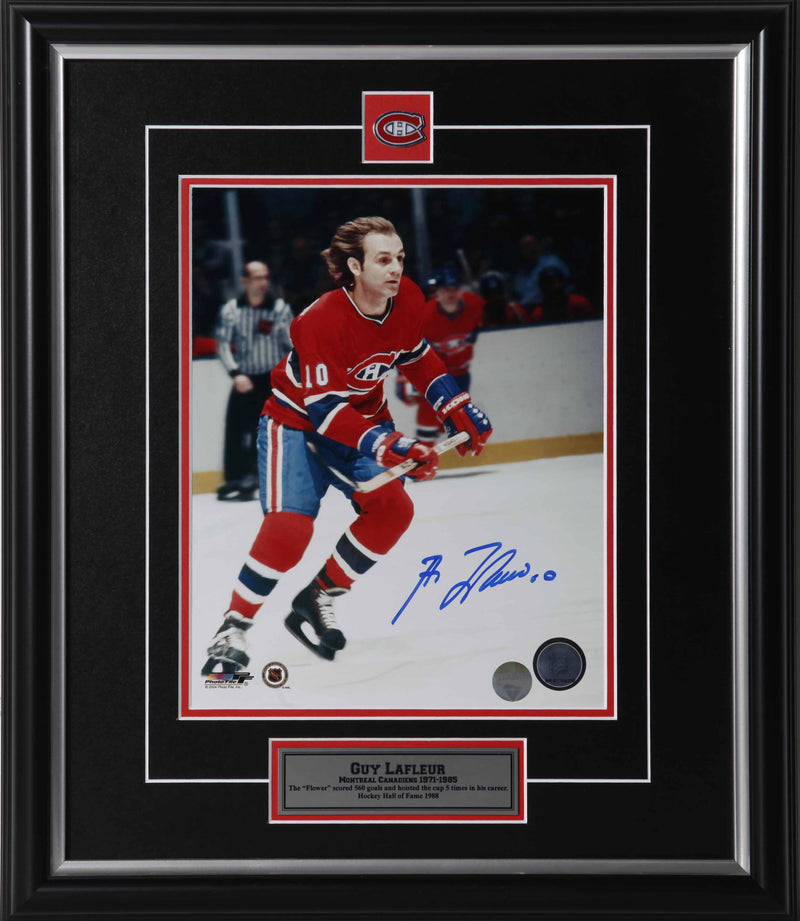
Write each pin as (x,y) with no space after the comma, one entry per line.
(275,674)
(397,127)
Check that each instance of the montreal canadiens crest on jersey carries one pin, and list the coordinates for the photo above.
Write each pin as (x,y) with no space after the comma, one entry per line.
(453,344)
(397,127)
(373,369)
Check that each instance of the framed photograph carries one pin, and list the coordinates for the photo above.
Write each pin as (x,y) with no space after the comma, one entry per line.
(398,410)
(398,672)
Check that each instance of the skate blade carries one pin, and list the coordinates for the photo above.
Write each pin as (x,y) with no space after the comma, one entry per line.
(293,624)
(210,665)
(228,665)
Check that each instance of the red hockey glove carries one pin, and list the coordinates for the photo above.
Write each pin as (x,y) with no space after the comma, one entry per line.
(466,417)
(455,408)
(396,448)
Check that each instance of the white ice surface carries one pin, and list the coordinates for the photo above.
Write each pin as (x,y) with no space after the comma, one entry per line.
(550,511)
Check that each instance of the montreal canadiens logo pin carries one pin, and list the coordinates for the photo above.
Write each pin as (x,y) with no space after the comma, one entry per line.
(400,129)
(397,127)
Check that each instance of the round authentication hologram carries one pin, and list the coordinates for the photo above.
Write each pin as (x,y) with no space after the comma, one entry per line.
(512,681)
(559,664)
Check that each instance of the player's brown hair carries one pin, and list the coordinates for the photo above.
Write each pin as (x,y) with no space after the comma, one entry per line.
(349,241)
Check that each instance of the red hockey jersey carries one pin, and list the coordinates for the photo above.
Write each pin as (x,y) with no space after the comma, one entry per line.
(332,380)
(575,307)
(453,335)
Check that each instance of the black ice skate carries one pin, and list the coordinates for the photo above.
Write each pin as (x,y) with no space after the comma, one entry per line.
(315,606)
(243,490)
(229,646)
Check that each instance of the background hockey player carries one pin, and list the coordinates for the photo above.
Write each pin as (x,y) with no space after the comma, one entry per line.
(327,424)
(452,320)
(498,310)
(557,304)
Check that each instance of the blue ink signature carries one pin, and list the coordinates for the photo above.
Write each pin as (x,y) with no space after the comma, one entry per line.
(424,578)
(490,573)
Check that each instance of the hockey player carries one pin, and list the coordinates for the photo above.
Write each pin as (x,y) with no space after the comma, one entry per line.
(452,321)
(557,303)
(499,311)
(327,424)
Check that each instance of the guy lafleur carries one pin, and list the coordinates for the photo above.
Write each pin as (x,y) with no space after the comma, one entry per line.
(391,767)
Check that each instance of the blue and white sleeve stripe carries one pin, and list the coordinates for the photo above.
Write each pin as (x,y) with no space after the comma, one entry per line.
(282,398)
(408,358)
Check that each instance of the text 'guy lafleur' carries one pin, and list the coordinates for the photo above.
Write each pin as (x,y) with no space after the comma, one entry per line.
(390,767)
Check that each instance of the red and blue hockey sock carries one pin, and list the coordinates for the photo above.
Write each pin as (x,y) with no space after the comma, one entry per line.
(279,546)
(383,518)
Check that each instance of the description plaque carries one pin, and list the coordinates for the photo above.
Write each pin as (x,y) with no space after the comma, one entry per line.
(388,780)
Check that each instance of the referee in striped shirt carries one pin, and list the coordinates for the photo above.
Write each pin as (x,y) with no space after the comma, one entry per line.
(252,337)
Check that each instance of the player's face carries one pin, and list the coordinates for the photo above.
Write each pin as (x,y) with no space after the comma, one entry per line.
(449,298)
(382,270)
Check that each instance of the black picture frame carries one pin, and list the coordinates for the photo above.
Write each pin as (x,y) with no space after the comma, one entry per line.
(757,533)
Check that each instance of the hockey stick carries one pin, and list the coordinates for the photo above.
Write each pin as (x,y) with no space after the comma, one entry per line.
(400,469)
(393,472)
(462,259)
(345,479)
